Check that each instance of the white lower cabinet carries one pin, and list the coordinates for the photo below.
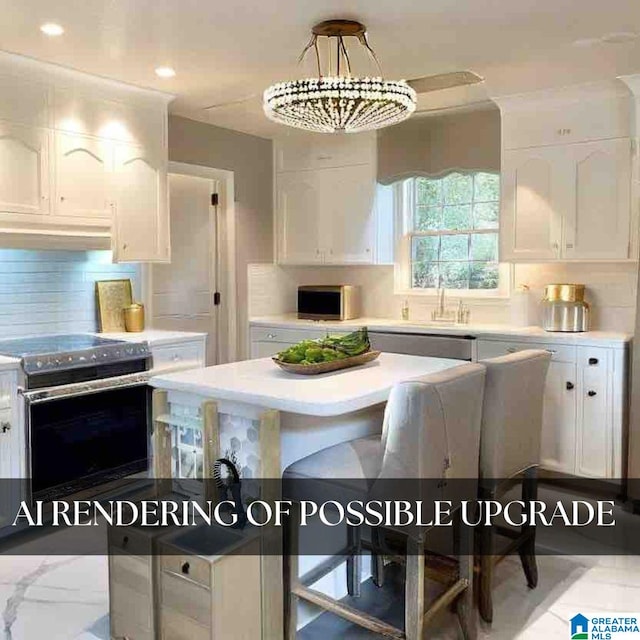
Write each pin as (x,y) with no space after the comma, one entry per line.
(12,458)
(583,421)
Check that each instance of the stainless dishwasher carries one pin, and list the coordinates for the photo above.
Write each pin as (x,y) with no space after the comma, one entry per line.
(423,344)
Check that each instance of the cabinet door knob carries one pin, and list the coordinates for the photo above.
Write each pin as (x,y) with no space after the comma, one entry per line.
(185,568)
(125,541)
(5,426)
(591,393)
(271,336)
(570,386)
(593,361)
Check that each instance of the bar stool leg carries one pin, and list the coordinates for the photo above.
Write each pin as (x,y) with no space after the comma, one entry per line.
(291,571)
(354,561)
(463,541)
(414,590)
(527,551)
(377,558)
(485,600)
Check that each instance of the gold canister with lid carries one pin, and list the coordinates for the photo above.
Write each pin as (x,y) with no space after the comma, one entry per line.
(564,308)
(564,292)
(134,317)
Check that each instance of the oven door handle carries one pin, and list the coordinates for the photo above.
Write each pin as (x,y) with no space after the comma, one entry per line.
(77,389)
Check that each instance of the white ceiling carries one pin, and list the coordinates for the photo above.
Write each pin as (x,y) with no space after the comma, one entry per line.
(227,51)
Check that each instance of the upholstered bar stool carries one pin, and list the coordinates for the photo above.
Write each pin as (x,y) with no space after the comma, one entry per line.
(509,456)
(431,431)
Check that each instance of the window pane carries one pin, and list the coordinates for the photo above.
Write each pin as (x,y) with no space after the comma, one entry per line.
(428,192)
(455,247)
(484,246)
(428,218)
(424,275)
(454,275)
(457,217)
(484,275)
(425,249)
(485,215)
(457,188)
(486,187)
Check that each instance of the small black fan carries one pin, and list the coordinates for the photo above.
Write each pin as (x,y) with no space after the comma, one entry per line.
(230,488)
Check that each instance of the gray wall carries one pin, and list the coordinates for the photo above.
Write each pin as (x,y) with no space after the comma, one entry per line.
(251,159)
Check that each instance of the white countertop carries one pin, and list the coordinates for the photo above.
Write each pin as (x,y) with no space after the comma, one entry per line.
(155,336)
(261,382)
(7,363)
(485,331)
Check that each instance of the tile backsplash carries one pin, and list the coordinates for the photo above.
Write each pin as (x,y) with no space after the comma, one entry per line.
(611,290)
(54,291)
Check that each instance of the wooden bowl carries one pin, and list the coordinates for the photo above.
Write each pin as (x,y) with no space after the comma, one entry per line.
(325,367)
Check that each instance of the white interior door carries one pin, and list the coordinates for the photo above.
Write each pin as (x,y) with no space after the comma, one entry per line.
(183,290)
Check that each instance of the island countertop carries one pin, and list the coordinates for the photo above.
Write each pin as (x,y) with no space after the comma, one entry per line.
(261,382)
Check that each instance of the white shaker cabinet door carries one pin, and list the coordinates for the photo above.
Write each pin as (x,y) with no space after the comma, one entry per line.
(558,443)
(598,221)
(82,175)
(594,443)
(347,214)
(531,204)
(24,174)
(298,217)
(141,215)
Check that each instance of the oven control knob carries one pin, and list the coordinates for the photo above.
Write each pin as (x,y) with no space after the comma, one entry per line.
(70,358)
(94,357)
(39,364)
(58,361)
(82,358)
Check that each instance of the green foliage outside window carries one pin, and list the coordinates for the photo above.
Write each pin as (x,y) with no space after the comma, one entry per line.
(455,231)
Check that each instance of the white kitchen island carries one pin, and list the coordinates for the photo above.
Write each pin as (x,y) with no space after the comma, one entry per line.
(267,419)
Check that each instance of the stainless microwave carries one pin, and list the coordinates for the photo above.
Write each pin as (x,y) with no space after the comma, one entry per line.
(329,302)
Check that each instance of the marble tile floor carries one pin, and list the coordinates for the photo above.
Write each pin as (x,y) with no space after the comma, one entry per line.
(52,597)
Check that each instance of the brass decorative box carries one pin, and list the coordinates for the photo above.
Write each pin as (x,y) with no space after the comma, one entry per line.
(134,317)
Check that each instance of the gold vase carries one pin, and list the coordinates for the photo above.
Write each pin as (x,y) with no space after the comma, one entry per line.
(134,317)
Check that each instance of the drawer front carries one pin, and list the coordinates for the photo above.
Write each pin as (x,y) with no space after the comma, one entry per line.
(593,358)
(190,599)
(130,541)
(495,348)
(132,608)
(188,568)
(122,629)
(134,573)
(174,626)
(178,355)
(277,334)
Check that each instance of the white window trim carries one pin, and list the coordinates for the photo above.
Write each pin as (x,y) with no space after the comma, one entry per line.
(403,209)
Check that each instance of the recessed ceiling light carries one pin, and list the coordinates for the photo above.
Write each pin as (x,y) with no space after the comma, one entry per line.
(52,29)
(165,72)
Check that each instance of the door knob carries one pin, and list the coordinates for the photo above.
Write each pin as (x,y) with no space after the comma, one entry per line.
(570,386)
(185,568)
(591,393)
(593,361)
(5,426)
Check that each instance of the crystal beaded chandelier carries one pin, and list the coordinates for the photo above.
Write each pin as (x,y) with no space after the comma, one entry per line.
(339,101)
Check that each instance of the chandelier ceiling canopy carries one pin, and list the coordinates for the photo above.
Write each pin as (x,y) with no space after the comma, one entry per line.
(336,100)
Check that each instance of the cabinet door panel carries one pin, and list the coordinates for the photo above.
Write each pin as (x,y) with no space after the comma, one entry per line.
(141,212)
(598,224)
(24,178)
(346,214)
(594,448)
(83,167)
(298,212)
(24,101)
(530,219)
(559,418)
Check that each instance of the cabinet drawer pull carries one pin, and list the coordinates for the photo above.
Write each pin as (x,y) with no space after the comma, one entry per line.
(125,541)
(591,393)
(512,350)
(570,386)
(5,426)
(551,351)
(593,361)
(185,568)
(271,336)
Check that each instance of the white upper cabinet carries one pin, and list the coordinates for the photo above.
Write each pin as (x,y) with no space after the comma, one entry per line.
(140,206)
(24,178)
(297,152)
(567,175)
(324,199)
(82,176)
(598,220)
(347,214)
(75,150)
(298,218)
(530,224)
